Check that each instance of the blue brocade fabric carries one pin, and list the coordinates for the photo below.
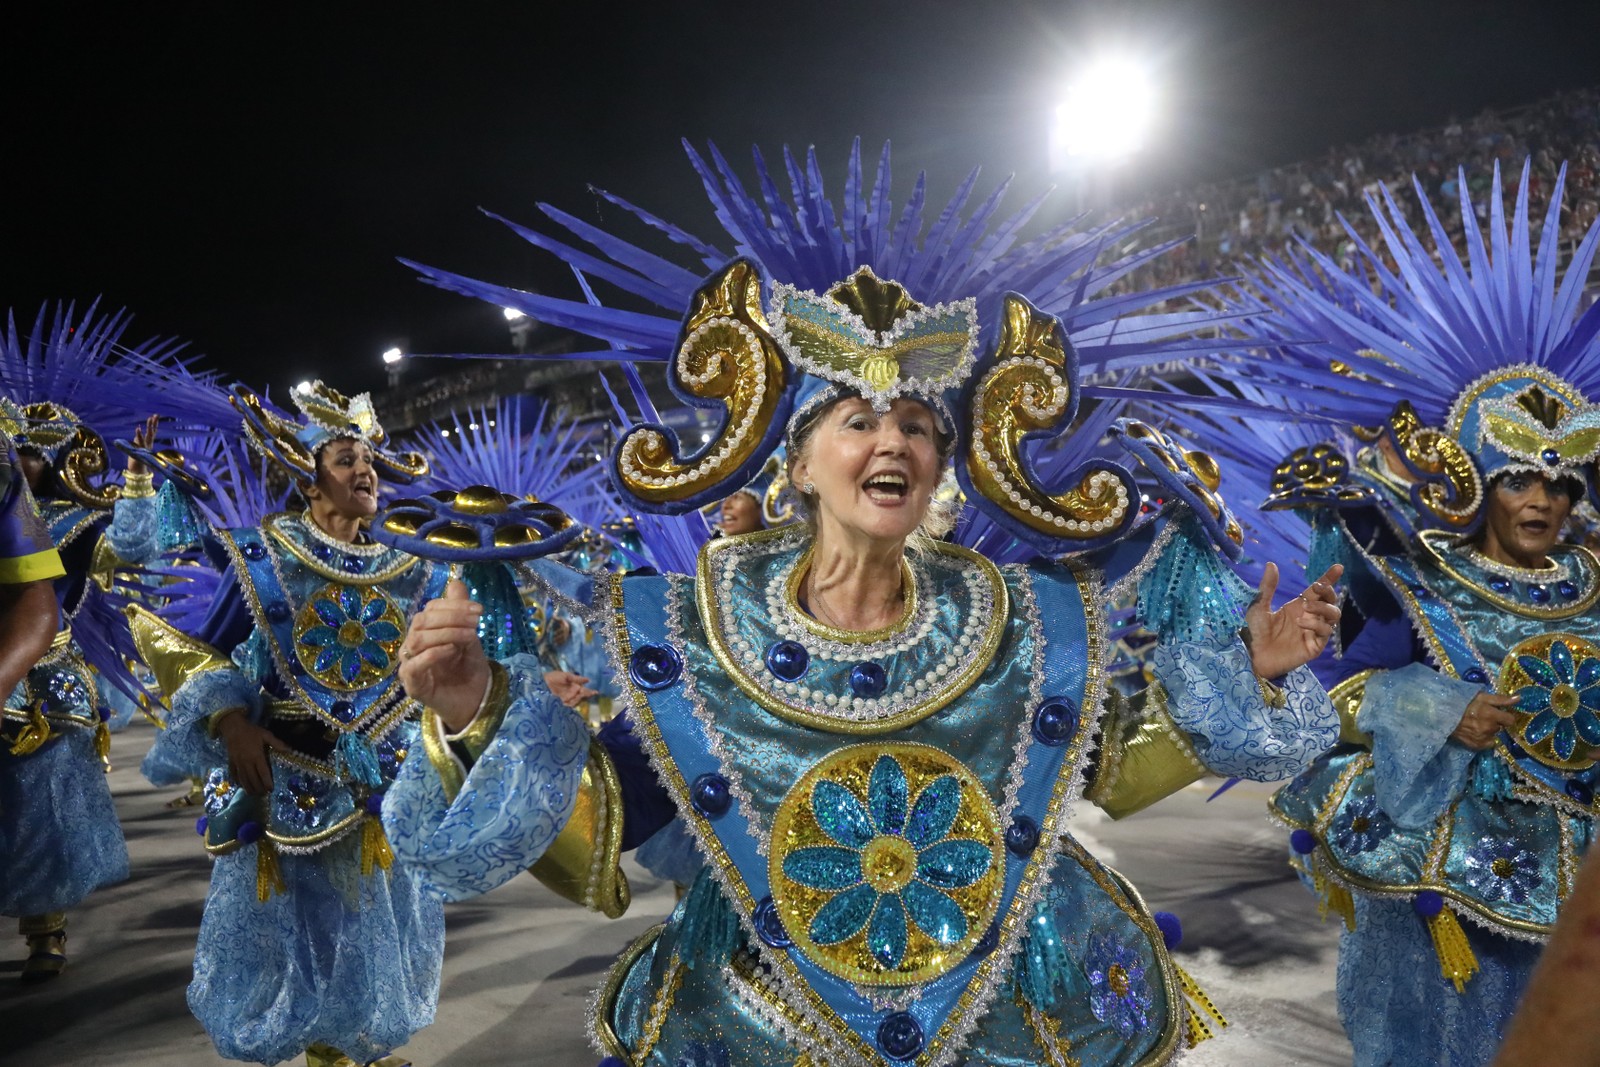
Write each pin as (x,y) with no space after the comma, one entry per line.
(517,796)
(134,530)
(1213,696)
(1400,1012)
(59,835)
(349,961)
(1410,713)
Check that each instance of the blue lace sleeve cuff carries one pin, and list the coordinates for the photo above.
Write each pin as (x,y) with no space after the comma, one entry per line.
(1215,697)
(187,736)
(515,800)
(1410,713)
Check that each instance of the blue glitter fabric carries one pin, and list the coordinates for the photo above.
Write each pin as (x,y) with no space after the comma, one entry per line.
(134,531)
(1410,712)
(349,961)
(59,835)
(1397,1008)
(516,798)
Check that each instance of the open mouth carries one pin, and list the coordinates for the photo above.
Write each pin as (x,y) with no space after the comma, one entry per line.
(886,488)
(362,491)
(1535,527)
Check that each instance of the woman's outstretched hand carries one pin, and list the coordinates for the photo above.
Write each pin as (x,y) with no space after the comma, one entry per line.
(571,689)
(1296,633)
(442,662)
(144,436)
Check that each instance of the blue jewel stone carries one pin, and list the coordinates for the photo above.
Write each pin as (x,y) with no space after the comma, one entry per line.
(353,564)
(1475,675)
(709,795)
(1500,585)
(788,660)
(655,666)
(1580,791)
(900,1035)
(868,680)
(1539,594)
(1056,721)
(1022,836)
(322,551)
(278,611)
(341,709)
(1550,456)
(1568,589)
(253,551)
(768,926)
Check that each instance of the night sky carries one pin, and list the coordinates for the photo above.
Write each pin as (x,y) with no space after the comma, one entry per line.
(244,178)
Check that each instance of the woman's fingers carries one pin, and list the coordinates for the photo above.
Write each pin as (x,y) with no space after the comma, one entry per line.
(418,641)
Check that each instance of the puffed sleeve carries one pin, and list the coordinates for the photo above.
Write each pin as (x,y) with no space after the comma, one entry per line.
(133,533)
(1410,713)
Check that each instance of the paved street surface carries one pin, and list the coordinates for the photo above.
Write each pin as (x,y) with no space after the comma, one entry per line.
(521,964)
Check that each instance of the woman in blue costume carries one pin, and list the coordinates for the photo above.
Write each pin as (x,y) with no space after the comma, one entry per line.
(874,739)
(1465,788)
(311,941)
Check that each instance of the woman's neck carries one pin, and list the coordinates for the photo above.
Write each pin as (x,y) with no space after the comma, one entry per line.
(1490,546)
(337,526)
(854,586)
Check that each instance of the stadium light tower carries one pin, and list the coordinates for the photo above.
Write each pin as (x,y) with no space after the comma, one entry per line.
(392,358)
(1104,116)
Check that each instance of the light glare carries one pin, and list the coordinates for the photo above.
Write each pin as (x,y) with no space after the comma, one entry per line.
(393,355)
(1107,110)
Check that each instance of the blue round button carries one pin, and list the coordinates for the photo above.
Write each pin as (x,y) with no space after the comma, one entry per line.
(1550,456)
(1500,585)
(1056,721)
(1022,836)
(1580,791)
(768,926)
(322,551)
(709,795)
(1568,589)
(788,660)
(1475,675)
(900,1035)
(278,611)
(654,666)
(868,680)
(253,550)
(1539,594)
(341,710)
(989,941)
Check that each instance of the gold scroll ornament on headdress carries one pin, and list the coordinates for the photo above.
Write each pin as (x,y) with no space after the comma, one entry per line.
(1452,489)
(1200,465)
(726,353)
(1024,391)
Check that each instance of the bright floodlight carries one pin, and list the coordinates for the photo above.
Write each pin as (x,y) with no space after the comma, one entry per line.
(302,387)
(512,314)
(1107,110)
(393,355)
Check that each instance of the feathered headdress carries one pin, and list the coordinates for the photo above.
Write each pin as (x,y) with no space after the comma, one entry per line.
(325,415)
(1471,364)
(815,299)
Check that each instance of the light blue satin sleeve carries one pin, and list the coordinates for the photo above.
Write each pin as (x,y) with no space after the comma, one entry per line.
(1410,713)
(585,654)
(1213,696)
(133,530)
(516,798)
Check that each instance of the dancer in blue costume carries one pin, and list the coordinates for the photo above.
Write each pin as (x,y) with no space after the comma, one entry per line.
(1465,790)
(875,739)
(63,384)
(312,941)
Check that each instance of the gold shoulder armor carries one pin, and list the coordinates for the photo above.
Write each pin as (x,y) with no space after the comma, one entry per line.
(172,655)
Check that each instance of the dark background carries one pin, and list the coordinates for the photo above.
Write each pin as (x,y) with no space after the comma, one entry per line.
(242,177)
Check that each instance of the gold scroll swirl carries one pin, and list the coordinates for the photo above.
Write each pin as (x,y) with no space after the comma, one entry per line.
(82,462)
(1202,467)
(1025,390)
(259,424)
(726,353)
(1448,469)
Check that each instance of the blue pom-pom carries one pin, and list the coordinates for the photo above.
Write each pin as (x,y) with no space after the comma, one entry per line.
(105,714)
(1171,928)
(1303,842)
(375,804)
(1428,903)
(249,833)
(611,1061)
(200,825)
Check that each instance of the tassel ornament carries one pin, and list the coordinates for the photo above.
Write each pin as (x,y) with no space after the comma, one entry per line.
(1198,1028)
(375,851)
(269,876)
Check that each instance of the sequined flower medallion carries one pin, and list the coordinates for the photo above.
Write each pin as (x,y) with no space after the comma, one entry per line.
(1361,826)
(887,863)
(347,636)
(1556,678)
(1503,870)
(1119,994)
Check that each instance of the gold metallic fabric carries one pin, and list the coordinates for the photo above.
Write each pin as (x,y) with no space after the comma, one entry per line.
(1347,697)
(582,864)
(1144,756)
(172,655)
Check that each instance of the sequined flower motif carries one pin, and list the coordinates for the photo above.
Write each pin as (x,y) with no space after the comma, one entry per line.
(1362,826)
(1118,992)
(1564,700)
(347,636)
(1503,870)
(894,862)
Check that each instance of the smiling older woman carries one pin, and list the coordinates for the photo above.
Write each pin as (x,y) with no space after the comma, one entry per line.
(873,737)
